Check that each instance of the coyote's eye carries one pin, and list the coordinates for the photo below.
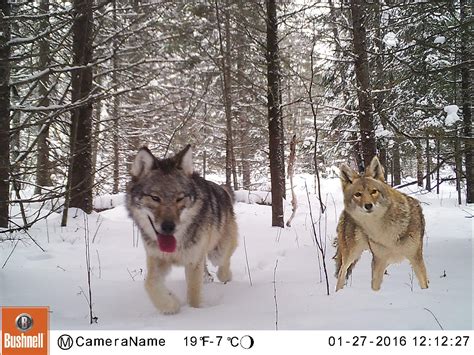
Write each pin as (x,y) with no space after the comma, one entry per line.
(373,192)
(357,194)
(155,198)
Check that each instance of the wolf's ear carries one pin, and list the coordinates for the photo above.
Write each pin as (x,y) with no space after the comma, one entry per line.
(347,175)
(184,160)
(143,163)
(375,170)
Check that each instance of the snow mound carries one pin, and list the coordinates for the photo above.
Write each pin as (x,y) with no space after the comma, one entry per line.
(452,114)
(390,40)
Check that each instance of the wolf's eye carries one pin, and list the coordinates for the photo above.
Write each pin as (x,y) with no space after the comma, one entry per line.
(357,194)
(373,192)
(179,199)
(155,198)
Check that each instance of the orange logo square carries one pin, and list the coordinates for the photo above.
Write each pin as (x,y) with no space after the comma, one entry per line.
(25,330)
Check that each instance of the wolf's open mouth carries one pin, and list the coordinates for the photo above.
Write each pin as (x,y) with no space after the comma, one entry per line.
(166,242)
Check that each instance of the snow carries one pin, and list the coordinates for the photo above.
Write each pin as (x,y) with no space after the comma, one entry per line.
(259,197)
(383,133)
(57,276)
(390,39)
(452,114)
(108,201)
(440,40)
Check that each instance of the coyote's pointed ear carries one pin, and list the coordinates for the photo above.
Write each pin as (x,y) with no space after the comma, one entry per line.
(347,175)
(184,160)
(143,163)
(375,170)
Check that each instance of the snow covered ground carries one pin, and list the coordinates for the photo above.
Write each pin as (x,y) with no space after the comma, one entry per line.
(57,277)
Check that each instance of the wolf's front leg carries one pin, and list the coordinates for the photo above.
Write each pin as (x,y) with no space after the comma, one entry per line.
(162,298)
(194,279)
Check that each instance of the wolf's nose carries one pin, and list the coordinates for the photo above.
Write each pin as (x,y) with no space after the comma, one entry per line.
(168,227)
(368,206)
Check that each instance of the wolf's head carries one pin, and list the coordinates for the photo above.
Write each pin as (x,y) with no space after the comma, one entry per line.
(159,194)
(366,193)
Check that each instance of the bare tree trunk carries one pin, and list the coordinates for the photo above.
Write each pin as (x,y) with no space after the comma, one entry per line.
(245,155)
(115,112)
(383,160)
(204,153)
(438,165)
(419,165)
(81,125)
(397,179)
(275,124)
(458,162)
(226,91)
(97,113)
(466,55)
(428,165)
(4,113)
(43,165)
(366,123)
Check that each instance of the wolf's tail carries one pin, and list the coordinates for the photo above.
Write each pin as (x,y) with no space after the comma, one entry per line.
(230,192)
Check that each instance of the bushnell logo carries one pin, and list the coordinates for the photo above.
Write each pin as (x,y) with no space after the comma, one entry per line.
(25,330)
(24,322)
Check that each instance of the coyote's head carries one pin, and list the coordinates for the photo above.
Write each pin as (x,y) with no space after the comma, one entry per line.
(366,193)
(159,194)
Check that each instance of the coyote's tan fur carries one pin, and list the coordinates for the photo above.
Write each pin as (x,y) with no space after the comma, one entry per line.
(381,219)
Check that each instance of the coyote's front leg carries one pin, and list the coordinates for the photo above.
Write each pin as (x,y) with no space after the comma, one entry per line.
(162,298)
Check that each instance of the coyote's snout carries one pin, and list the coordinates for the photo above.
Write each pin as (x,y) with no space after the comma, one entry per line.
(381,219)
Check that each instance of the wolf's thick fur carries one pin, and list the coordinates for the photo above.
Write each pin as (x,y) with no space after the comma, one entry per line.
(381,219)
(192,216)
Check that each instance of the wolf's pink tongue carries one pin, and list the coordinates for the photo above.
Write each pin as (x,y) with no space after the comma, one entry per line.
(166,243)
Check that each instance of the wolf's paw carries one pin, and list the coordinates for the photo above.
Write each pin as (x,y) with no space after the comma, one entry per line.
(168,304)
(224,274)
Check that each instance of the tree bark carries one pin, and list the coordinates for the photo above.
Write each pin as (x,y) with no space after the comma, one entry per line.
(438,165)
(458,162)
(115,111)
(419,164)
(428,165)
(366,123)
(397,168)
(275,124)
(466,93)
(81,122)
(43,165)
(230,172)
(4,113)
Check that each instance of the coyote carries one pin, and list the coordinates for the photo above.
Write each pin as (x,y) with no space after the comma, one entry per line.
(379,218)
(182,218)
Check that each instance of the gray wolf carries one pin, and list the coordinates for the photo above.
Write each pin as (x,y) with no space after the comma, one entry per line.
(381,219)
(182,218)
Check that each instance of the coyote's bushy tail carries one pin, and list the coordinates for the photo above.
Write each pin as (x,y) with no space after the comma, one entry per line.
(338,260)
